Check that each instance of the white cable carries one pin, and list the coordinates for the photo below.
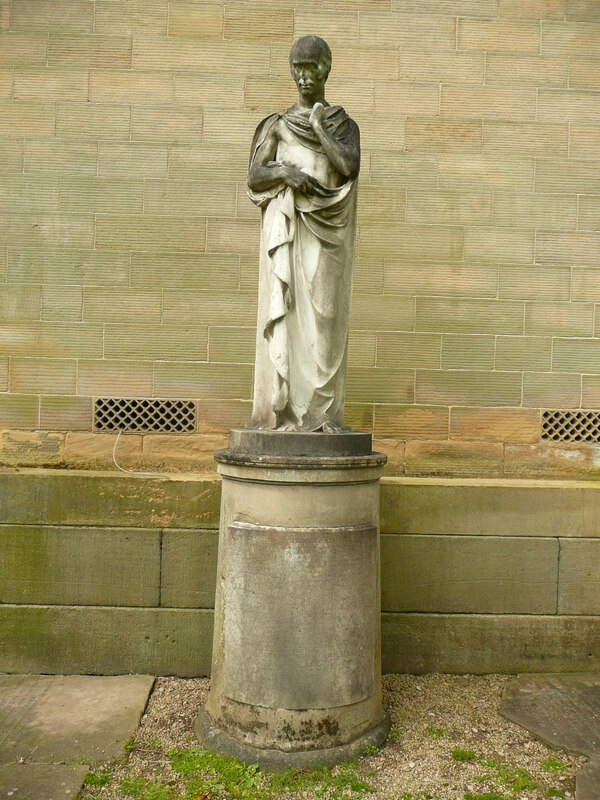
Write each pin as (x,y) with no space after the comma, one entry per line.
(132,471)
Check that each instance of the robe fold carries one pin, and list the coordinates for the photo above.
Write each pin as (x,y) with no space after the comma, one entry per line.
(305,285)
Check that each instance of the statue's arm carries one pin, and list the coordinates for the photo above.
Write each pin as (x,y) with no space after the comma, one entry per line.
(344,153)
(265,173)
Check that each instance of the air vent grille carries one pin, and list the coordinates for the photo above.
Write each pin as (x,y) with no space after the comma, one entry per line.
(152,415)
(571,426)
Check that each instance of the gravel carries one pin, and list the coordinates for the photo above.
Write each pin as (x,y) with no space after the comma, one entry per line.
(448,740)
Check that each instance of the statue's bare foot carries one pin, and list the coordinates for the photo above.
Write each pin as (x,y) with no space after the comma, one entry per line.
(331,427)
(287,426)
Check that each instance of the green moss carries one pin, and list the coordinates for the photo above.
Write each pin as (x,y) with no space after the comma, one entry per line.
(98,777)
(141,789)
(129,744)
(371,750)
(463,755)
(553,792)
(395,734)
(435,733)
(555,766)
(486,796)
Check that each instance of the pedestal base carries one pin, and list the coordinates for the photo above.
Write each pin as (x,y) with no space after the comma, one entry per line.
(296,672)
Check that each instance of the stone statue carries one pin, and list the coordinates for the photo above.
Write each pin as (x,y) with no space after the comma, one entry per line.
(303,170)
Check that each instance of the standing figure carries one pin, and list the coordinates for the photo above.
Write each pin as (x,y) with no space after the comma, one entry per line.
(304,165)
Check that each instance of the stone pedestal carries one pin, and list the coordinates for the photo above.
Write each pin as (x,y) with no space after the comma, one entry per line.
(296,672)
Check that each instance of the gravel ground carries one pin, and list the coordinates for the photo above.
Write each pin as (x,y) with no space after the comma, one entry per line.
(448,741)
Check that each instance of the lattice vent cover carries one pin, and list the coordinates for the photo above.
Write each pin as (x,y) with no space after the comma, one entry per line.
(571,426)
(164,416)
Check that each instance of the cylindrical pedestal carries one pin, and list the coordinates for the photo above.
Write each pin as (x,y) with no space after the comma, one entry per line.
(296,672)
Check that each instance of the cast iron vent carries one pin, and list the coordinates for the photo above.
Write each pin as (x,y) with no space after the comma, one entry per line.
(162,416)
(571,426)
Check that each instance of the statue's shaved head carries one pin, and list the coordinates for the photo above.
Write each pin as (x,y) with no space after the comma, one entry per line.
(311,48)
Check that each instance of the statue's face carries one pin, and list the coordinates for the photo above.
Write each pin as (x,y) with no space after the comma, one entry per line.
(310,75)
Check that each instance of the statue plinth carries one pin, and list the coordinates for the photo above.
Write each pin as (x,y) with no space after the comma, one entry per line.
(296,669)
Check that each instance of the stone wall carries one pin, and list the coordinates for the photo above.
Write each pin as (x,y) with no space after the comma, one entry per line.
(105,573)
(128,249)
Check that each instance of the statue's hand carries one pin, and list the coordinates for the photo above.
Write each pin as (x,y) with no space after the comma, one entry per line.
(317,115)
(299,180)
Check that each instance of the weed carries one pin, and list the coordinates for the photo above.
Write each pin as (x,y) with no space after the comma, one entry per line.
(98,778)
(371,750)
(486,796)
(517,778)
(463,755)
(395,734)
(141,789)
(553,792)
(555,766)
(435,733)
(129,744)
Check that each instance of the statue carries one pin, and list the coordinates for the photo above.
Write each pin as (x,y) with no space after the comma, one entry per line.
(303,170)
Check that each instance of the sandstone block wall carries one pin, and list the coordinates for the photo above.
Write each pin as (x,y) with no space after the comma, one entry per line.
(128,249)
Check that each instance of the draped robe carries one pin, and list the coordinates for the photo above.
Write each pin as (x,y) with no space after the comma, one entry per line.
(305,281)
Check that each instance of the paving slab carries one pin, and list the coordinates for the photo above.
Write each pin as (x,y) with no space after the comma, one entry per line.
(49,724)
(562,710)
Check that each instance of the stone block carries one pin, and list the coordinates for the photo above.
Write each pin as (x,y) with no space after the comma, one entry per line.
(360,62)
(101,304)
(114,378)
(151,233)
(93,121)
(180,270)
(451,207)
(4,374)
(185,198)
(585,10)
(272,24)
(368,385)
(45,565)
(46,229)
(166,124)
(123,341)
(47,83)
(189,452)
(533,9)
(19,411)
(111,499)
(579,577)
(469,574)
(403,169)
(551,390)
(454,458)
(584,140)
(232,236)
(23,192)
(500,36)
(339,28)
(570,39)
(406,98)
(130,86)
(61,413)
(20,303)
(556,319)
(465,315)
(589,213)
(466,102)
(534,71)
(499,245)
(373,312)
(189,306)
(132,160)
(21,118)
(411,422)
(576,355)
(233,345)
(408,350)
(381,203)
(11,155)
(6,83)
(132,17)
(60,156)
(535,210)
(470,351)
(226,92)
(68,266)
(52,15)
(195,19)
(359,416)
(34,779)
(456,279)
(106,641)
(89,50)
(533,353)
(590,392)
(203,380)
(101,194)
(62,303)
(535,283)
(584,73)
(52,340)
(551,460)
(199,55)
(568,105)
(528,138)
(585,284)
(218,416)
(381,131)
(411,242)
(468,388)
(189,568)
(458,8)
(43,375)
(23,48)
(407,31)
(191,162)
(461,68)
(442,136)
(31,448)
(484,172)
(581,249)
(480,643)
(516,425)
(88,450)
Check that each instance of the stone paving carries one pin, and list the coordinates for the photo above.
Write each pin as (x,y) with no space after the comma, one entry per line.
(52,727)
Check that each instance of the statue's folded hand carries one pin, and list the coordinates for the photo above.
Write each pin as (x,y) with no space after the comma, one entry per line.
(299,181)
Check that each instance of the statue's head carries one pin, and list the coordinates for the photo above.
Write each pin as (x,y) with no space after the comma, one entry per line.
(310,63)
